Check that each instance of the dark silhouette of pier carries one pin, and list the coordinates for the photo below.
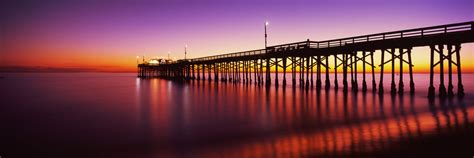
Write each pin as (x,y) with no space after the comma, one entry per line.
(301,58)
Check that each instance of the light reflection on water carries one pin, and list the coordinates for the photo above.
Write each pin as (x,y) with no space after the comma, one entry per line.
(266,122)
(119,115)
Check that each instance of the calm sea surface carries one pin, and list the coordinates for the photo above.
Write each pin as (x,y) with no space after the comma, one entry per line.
(119,115)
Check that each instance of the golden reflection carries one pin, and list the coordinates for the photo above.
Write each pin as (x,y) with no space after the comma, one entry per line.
(366,126)
(292,122)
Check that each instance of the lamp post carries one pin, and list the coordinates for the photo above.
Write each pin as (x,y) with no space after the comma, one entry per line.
(186,46)
(137,59)
(266,24)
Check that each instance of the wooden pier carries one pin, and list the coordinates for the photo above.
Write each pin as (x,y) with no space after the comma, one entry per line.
(307,59)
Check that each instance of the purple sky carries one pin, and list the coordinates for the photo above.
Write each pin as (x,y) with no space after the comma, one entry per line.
(112,33)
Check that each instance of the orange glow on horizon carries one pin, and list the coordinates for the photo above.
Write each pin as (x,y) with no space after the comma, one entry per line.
(94,59)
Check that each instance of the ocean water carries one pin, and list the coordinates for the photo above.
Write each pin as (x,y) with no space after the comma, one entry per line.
(120,115)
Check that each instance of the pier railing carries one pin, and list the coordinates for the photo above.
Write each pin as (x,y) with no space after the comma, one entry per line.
(230,55)
(410,33)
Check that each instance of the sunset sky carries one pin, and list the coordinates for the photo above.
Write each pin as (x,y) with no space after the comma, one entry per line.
(103,35)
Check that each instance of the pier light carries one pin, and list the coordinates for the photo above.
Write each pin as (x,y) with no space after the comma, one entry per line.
(137,58)
(266,24)
(154,62)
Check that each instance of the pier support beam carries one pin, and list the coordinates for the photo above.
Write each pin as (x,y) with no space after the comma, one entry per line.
(267,72)
(198,73)
(255,70)
(248,78)
(336,85)
(364,83)
(374,85)
(223,70)
(301,62)
(293,71)
(312,71)
(458,63)
(328,83)
(400,82)
(344,72)
(450,72)
(300,66)
(410,66)
(355,86)
(203,72)
(284,71)
(431,89)
(352,71)
(276,71)
(209,78)
(442,88)
(318,73)
(393,88)
(193,72)
(216,71)
(308,66)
